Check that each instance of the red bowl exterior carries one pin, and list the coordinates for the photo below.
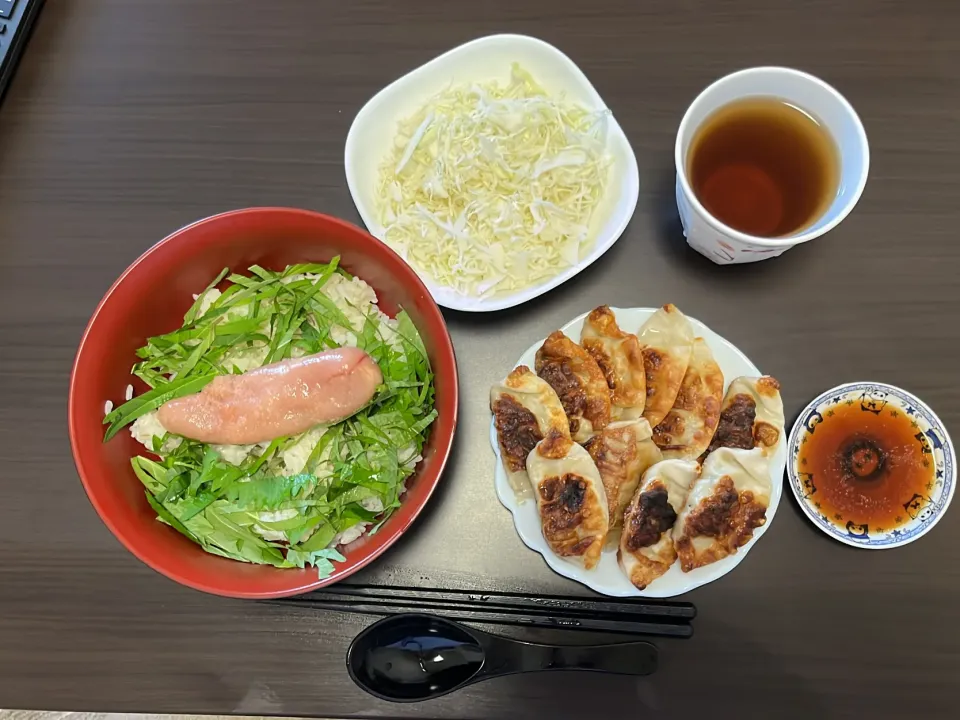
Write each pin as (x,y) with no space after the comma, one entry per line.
(151,297)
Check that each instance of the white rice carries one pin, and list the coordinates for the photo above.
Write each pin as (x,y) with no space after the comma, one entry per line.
(356,300)
(349,535)
(295,457)
(278,516)
(128,395)
(209,297)
(244,359)
(345,537)
(372,504)
(146,427)
(107,408)
(234,454)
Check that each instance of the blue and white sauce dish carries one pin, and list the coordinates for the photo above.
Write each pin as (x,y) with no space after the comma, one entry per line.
(880,473)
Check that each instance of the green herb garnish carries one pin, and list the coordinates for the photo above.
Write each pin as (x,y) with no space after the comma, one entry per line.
(355,470)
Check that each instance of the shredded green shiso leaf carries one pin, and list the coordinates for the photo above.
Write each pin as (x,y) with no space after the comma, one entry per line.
(356,464)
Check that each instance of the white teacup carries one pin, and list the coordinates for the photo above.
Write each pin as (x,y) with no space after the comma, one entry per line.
(721,243)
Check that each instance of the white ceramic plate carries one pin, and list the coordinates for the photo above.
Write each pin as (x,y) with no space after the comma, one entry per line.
(607,577)
(371,136)
(920,512)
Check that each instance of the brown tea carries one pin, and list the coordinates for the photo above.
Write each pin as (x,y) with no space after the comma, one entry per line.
(764,167)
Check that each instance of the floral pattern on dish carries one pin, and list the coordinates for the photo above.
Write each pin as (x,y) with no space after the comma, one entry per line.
(921,512)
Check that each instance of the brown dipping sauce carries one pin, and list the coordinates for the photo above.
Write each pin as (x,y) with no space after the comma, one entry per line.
(863,468)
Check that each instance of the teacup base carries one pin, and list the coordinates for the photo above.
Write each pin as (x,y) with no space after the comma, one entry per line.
(715,246)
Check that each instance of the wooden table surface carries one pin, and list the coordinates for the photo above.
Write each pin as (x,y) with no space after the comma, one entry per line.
(128,119)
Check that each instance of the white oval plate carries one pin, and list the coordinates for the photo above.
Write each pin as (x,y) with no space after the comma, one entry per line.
(371,135)
(607,577)
(920,512)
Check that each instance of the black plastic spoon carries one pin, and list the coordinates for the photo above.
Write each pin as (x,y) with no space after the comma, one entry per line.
(412,657)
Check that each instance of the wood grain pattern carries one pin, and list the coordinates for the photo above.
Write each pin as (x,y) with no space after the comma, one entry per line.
(128,119)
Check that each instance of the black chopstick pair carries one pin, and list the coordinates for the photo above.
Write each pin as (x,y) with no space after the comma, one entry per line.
(626,617)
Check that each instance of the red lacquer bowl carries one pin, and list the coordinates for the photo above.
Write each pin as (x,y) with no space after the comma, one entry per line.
(151,297)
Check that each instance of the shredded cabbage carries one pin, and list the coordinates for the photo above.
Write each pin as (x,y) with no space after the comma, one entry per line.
(491,188)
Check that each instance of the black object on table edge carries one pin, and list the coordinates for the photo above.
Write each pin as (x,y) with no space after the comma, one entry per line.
(622,616)
(414,657)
